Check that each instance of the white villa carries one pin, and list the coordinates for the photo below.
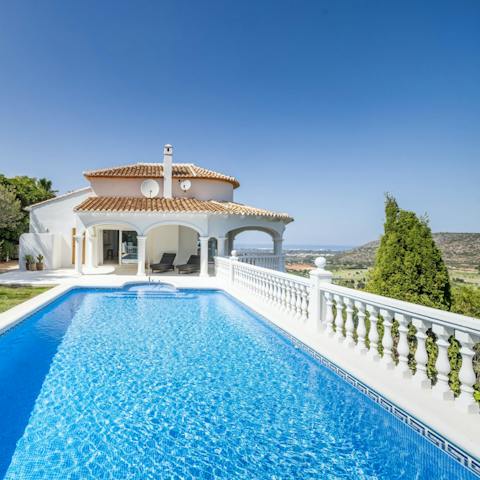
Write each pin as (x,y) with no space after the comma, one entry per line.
(136,213)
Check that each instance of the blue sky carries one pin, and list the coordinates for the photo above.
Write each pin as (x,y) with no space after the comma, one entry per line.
(318,107)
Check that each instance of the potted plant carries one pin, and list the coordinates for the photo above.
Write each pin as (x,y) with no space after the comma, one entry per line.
(30,262)
(40,265)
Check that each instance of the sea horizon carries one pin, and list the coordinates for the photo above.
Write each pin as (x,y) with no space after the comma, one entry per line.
(297,246)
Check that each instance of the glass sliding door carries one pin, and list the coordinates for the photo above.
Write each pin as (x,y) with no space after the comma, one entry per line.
(128,247)
(110,246)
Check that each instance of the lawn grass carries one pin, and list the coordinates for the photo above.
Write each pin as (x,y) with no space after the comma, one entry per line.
(13,295)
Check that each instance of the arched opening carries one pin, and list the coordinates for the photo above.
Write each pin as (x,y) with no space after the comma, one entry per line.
(258,246)
(180,241)
(252,241)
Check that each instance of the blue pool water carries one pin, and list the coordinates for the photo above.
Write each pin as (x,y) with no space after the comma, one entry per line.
(149,383)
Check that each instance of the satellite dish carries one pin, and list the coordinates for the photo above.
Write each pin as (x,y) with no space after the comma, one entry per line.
(185,185)
(150,188)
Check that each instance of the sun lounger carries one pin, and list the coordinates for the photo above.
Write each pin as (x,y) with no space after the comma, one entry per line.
(165,264)
(192,266)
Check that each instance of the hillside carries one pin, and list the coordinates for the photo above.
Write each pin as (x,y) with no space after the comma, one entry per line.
(459,250)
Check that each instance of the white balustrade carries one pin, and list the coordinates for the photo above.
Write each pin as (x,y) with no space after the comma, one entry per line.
(274,262)
(325,310)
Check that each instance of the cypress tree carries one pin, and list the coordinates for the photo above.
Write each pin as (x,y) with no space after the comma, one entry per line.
(408,264)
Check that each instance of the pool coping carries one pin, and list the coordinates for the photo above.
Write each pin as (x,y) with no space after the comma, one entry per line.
(454,432)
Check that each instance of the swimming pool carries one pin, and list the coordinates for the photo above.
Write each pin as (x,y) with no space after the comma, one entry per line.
(147,382)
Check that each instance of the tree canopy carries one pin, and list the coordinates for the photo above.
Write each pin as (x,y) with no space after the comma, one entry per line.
(408,264)
(10,213)
(18,193)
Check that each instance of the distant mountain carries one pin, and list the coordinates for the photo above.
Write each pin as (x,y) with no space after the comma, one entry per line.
(459,250)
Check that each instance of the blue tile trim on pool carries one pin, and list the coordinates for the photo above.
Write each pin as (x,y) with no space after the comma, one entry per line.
(459,455)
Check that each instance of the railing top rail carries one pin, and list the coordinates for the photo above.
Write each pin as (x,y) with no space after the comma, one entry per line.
(273,273)
(222,259)
(432,315)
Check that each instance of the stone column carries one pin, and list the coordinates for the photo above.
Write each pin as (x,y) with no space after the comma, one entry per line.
(141,243)
(278,250)
(277,246)
(229,244)
(78,253)
(221,246)
(91,246)
(204,256)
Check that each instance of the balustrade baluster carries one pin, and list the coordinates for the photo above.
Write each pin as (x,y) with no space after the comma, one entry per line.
(276,292)
(282,297)
(361,328)
(329,318)
(387,340)
(403,348)
(349,325)
(339,318)
(467,376)
(421,354)
(291,298)
(373,333)
(277,296)
(266,287)
(292,302)
(288,295)
(298,303)
(442,388)
(304,303)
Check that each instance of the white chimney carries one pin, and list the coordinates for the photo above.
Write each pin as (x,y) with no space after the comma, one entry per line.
(167,171)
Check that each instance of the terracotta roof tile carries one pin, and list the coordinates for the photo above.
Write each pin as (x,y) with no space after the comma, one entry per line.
(174,205)
(155,170)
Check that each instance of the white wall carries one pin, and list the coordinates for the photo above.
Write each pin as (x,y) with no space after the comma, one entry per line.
(130,187)
(187,244)
(47,244)
(56,216)
(171,239)
(120,187)
(205,190)
(161,240)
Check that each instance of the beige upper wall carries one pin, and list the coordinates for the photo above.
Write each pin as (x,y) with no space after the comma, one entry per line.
(202,189)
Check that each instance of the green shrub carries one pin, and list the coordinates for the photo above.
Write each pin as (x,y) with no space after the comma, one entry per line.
(466,300)
(408,264)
